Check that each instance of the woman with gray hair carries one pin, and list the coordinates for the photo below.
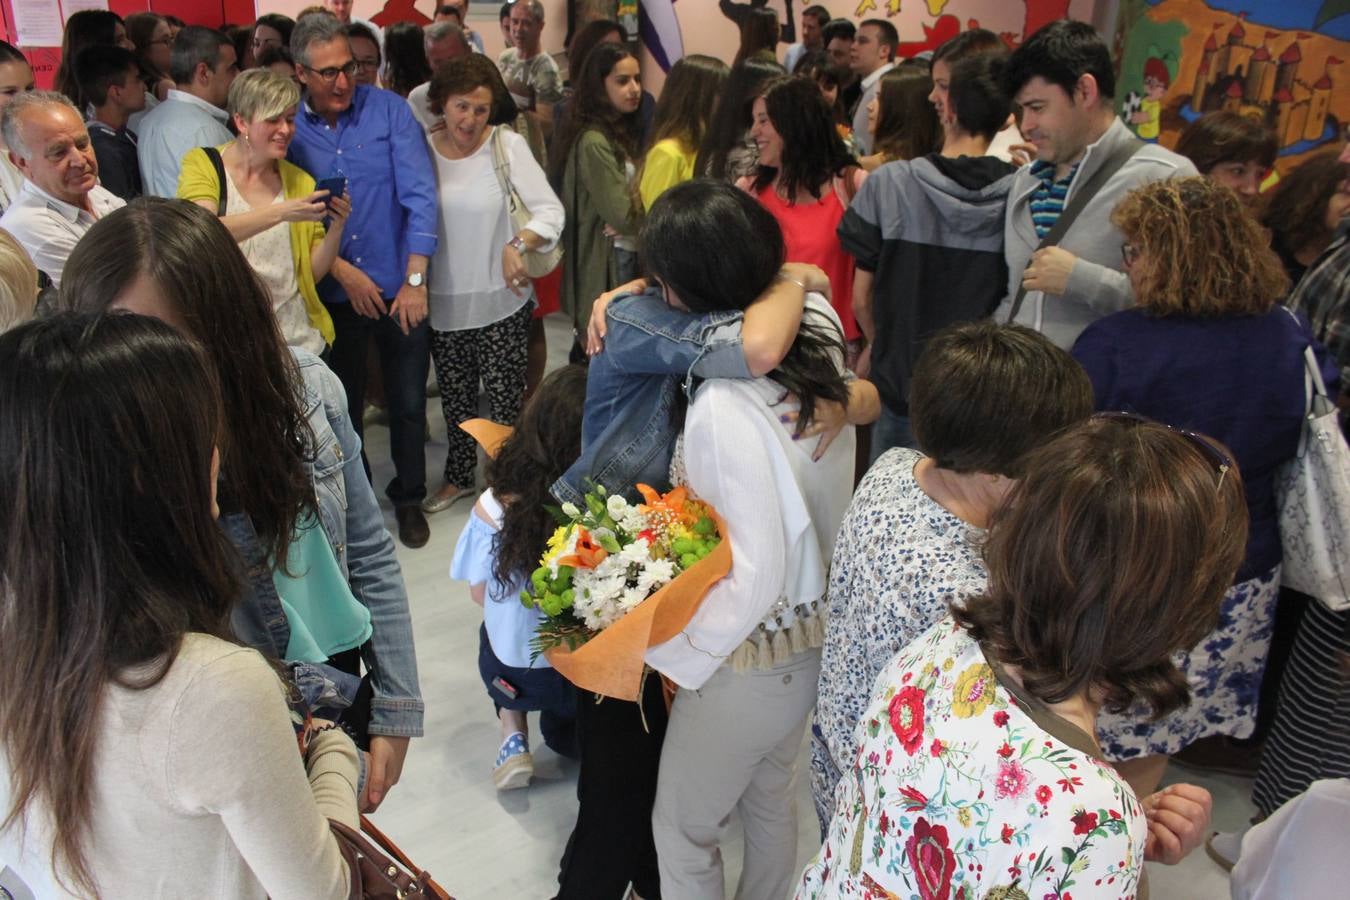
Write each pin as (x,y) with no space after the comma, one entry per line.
(289,232)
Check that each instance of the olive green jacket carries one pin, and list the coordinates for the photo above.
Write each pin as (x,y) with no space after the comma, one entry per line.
(595,193)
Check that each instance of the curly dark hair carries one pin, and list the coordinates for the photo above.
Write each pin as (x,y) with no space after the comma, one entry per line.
(545,442)
(1297,209)
(591,110)
(813,151)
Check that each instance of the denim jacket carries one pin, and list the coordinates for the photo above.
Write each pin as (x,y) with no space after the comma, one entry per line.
(630,424)
(351,519)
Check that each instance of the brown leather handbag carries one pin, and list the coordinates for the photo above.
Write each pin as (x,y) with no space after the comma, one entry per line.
(375,876)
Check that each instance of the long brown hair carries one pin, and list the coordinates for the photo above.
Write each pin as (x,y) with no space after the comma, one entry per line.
(1113,552)
(591,110)
(1296,211)
(84,28)
(186,253)
(110,554)
(907,125)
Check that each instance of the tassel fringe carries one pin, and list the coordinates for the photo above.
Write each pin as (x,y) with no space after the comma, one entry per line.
(766,649)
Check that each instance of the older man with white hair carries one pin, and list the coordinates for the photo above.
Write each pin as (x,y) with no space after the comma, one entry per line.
(61,198)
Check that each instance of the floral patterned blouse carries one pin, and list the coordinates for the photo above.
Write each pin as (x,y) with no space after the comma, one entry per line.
(965,787)
(900,561)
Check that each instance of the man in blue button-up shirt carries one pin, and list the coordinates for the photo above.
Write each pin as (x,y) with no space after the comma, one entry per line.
(377,286)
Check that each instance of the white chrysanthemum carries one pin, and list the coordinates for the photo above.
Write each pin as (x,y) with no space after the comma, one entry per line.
(638,553)
(632,597)
(655,575)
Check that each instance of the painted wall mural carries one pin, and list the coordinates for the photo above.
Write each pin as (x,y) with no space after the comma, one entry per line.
(671,28)
(1283,63)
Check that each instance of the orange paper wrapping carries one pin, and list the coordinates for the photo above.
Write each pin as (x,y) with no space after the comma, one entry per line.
(611,662)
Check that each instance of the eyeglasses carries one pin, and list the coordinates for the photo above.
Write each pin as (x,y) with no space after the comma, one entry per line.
(1129,254)
(1221,460)
(330,74)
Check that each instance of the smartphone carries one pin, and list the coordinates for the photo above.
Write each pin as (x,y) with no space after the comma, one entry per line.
(336,186)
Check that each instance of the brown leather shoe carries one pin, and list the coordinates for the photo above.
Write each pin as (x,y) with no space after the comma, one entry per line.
(413,530)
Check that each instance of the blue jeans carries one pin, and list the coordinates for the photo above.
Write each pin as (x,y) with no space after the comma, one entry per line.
(891,430)
(405,360)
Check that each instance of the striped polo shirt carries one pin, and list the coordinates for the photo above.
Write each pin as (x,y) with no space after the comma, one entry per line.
(1047,201)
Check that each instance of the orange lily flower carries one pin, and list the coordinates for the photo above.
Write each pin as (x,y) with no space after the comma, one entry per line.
(671,504)
(588,553)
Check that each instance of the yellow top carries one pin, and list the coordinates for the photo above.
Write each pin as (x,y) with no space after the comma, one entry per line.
(198,181)
(1153,109)
(667,164)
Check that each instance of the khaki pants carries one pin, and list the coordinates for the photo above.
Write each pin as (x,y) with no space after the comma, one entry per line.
(733,745)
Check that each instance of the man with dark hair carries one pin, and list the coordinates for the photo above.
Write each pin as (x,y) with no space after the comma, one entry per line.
(927,241)
(814,20)
(837,36)
(456,11)
(110,77)
(872,56)
(203,65)
(1063,80)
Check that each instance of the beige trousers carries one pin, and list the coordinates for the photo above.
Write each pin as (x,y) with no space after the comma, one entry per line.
(733,745)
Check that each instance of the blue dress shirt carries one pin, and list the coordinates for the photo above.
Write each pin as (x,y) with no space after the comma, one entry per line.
(380,148)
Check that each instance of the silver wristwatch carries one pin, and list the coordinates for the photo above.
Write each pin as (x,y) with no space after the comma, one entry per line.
(518,244)
(416,279)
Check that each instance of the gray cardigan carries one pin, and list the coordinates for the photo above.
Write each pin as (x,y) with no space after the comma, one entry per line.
(1097,286)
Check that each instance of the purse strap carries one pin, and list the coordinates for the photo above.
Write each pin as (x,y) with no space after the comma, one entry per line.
(218,164)
(501,167)
(1081,198)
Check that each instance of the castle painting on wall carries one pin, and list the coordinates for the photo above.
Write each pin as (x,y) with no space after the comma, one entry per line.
(1284,63)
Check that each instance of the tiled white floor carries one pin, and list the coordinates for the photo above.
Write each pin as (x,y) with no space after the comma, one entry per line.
(482,845)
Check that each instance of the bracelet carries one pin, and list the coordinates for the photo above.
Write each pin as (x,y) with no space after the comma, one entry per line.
(518,244)
(801,284)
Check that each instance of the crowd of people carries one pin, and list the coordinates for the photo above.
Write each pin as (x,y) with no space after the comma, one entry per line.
(994,399)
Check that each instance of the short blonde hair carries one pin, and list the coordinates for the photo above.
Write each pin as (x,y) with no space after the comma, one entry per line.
(261,94)
(1202,253)
(18,283)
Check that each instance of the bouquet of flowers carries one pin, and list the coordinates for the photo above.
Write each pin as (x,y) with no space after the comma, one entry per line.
(612,582)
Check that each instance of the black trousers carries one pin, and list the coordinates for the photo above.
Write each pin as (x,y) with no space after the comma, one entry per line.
(405,360)
(612,845)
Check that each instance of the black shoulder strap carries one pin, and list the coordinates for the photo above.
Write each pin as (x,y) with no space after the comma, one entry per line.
(219,165)
(1081,198)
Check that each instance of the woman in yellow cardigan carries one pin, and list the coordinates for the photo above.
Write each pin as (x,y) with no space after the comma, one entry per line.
(270,206)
